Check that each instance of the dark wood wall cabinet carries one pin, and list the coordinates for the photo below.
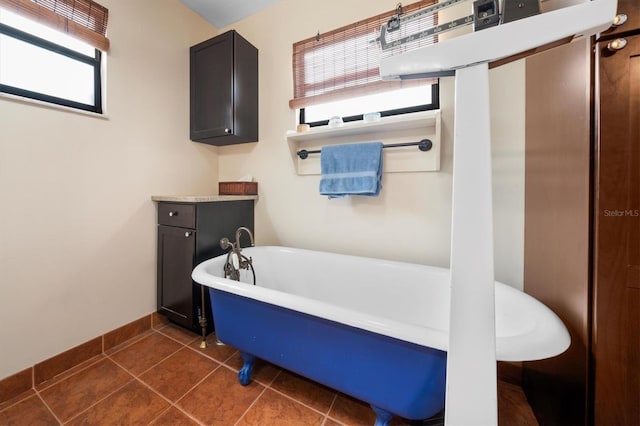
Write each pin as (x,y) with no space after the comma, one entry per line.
(189,233)
(582,224)
(224,90)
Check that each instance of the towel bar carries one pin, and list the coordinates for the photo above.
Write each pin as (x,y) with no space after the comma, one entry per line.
(424,145)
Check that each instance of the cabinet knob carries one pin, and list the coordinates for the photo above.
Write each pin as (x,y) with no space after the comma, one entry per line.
(172,214)
(620,19)
(187,234)
(616,44)
(227,130)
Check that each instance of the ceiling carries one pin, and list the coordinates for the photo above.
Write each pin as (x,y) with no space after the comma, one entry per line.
(221,13)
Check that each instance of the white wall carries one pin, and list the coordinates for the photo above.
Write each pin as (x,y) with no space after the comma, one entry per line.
(410,221)
(77,226)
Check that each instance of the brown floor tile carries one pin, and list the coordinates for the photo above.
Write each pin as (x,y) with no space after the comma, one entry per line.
(275,409)
(220,399)
(263,371)
(145,353)
(129,342)
(178,333)
(78,392)
(351,411)
(30,411)
(134,404)
(173,417)
(304,390)
(53,366)
(218,352)
(177,374)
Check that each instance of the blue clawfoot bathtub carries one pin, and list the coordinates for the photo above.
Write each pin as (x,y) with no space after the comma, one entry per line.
(373,329)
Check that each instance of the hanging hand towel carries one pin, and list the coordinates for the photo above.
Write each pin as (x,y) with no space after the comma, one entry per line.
(353,169)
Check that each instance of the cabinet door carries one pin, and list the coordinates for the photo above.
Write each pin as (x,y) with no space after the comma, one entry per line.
(176,250)
(616,328)
(212,88)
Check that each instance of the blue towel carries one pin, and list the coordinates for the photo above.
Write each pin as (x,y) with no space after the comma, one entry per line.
(353,169)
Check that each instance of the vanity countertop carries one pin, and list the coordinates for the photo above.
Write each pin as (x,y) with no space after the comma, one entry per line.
(202,198)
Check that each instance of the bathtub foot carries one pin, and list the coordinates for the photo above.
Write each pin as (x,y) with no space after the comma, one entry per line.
(244,375)
(383,417)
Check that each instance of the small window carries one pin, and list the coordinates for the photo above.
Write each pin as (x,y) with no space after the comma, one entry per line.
(395,102)
(337,73)
(39,62)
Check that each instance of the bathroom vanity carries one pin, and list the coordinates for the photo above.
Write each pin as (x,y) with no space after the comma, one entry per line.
(189,232)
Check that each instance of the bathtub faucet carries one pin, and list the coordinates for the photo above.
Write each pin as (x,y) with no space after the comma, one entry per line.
(235,259)
(239,232)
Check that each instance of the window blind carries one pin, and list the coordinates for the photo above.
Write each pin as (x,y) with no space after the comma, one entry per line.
(83,19)
(345,62)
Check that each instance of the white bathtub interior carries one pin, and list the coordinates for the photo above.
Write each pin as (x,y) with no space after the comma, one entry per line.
(397,299)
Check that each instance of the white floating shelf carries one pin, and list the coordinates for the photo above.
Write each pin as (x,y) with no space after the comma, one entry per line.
(395,129)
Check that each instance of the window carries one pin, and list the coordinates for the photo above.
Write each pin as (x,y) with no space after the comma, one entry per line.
(39,62)
(337,73)
(394,102)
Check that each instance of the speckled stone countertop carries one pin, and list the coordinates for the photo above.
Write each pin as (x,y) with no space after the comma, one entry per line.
(202,198)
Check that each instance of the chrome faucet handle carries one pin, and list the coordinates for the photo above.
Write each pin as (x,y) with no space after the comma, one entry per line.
(225,244)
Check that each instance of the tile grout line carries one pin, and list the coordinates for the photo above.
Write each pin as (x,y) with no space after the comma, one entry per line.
(335,398)
(174,339)
(252,404)
(131,341)
(299,402)
(171,403)
(48,408)
(144,371)
(130,373)
(98,401)
(175,404)
(89,363)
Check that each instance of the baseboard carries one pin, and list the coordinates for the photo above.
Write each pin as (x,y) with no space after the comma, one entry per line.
(35,375)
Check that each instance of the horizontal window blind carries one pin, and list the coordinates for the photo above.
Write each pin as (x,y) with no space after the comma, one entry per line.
(83,19)
(345,62)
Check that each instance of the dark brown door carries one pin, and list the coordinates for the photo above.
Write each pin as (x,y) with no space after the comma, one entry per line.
(176,249)
(616,326)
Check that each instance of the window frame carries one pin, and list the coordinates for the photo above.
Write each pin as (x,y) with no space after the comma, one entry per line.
(95,62)
(435,104)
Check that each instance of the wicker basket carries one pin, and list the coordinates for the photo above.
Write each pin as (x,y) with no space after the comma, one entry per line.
(238,188)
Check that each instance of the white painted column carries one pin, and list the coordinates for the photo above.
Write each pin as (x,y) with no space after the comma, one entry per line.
(471,397)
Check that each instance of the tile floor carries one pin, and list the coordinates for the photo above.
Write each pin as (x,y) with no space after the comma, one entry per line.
(162,377)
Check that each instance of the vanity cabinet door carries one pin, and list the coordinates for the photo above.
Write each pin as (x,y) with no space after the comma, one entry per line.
(176,251)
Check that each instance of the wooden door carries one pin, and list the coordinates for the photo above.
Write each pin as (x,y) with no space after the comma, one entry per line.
(616,316)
